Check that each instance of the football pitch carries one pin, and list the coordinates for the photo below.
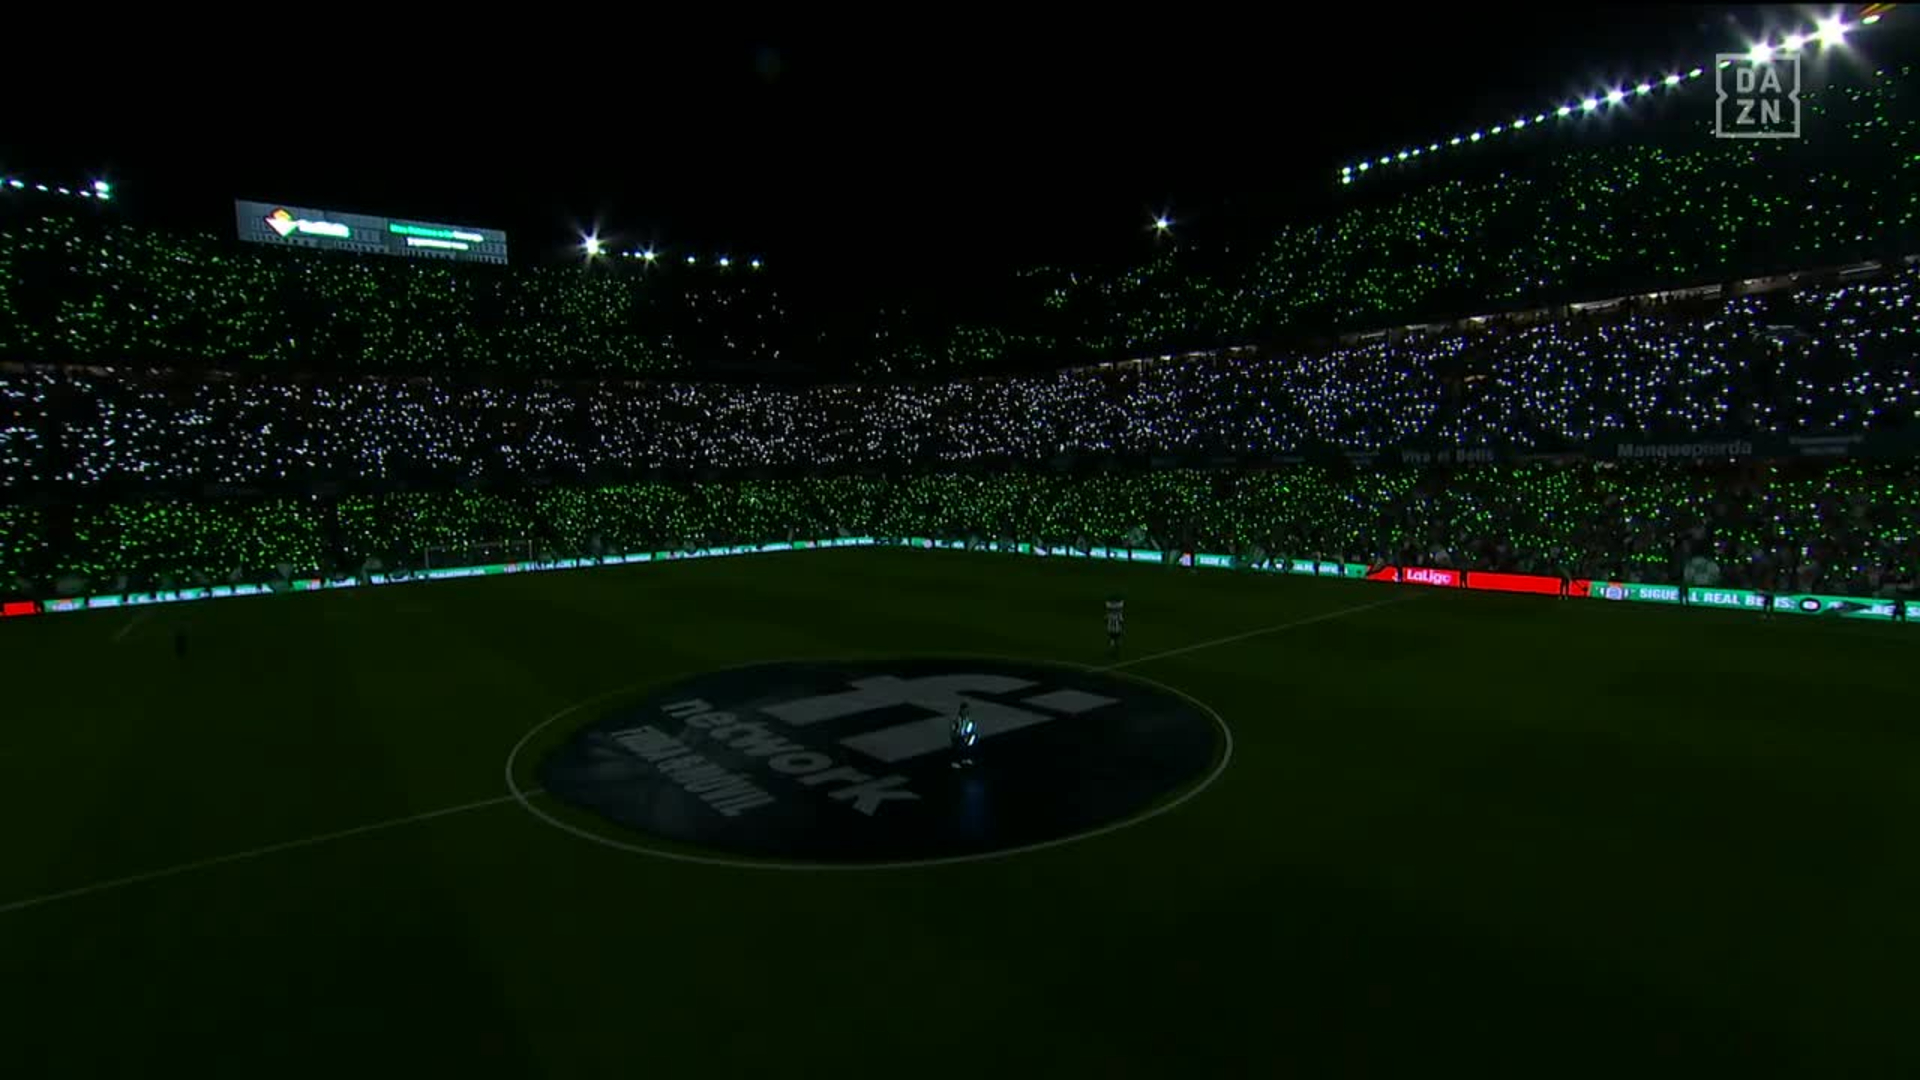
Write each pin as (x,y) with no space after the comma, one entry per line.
(1417,833)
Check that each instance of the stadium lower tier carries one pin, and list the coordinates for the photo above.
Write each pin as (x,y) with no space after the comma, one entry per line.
(1851,528)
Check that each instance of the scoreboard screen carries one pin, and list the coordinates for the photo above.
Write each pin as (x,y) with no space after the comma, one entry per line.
(282,225)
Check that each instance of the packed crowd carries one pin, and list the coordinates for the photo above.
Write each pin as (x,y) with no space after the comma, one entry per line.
(74,289)
(1574,222)
(171,408)
(1847,528)
(1571,225)
(1834,358)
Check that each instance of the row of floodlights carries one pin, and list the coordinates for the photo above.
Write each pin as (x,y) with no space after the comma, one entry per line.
(100,190)
(1828,32)
(594,248)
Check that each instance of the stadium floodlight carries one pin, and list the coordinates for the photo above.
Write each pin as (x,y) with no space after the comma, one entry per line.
(1386,159)
(1589,105)
(1871,19)
(1760,53)
(1643,88)
(1415,152)
(106,195)
(1615,97)
(1346,179)
(649,254)
(754,263)
(1539,118)
(1520,123)
(1793,43)
(1564,110)
(1402,155)
(63,191)
(40,187)
(1365,165)
(1455,141)
(592,246)
(1346,170)
(1831,31)
(1696,73)
(1476,136)
(1433,148)
(1671,80)
(1161,224)
(724,261)
(18,183)
(102,186)
(693,260)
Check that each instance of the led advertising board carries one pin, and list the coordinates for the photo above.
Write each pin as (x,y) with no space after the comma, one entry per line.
(282,225)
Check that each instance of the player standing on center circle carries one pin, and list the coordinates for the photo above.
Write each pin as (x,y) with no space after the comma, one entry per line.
(964,736)
(1116,622)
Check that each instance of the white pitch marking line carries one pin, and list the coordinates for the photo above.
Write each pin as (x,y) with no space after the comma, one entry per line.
(1274,629)
(121,634)
(521,796)
(252,853)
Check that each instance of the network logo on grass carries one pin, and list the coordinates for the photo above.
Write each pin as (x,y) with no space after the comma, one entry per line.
(1755,96)
(851,762)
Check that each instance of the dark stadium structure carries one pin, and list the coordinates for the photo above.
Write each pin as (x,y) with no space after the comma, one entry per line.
(521,666)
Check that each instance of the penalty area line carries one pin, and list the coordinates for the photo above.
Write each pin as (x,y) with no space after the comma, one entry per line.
(1324,616)
(250,853)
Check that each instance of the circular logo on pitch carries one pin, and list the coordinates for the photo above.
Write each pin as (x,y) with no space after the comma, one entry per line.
(850,762)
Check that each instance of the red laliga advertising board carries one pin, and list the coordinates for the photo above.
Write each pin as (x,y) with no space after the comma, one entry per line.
(1416,575)
(1520,583)
(1537,584)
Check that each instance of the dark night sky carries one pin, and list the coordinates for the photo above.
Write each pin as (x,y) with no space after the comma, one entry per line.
(857,154)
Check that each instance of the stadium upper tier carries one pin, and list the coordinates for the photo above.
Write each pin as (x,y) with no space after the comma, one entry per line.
(1831,359)
(80,289)
(1534,225)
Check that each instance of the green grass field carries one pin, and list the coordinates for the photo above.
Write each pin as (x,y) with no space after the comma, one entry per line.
(1460,835)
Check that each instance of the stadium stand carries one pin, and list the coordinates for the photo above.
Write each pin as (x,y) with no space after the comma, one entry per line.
(174,407)
(1836,359)
(1555,225)
(75,288)
(1852,527)
(1563,224)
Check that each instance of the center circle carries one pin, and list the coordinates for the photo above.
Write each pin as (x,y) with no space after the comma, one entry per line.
(856,762)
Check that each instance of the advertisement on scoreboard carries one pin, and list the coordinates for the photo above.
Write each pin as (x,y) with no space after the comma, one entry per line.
(285,225)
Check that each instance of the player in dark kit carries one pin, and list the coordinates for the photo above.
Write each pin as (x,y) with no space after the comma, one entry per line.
(1116,623)
(964,736)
